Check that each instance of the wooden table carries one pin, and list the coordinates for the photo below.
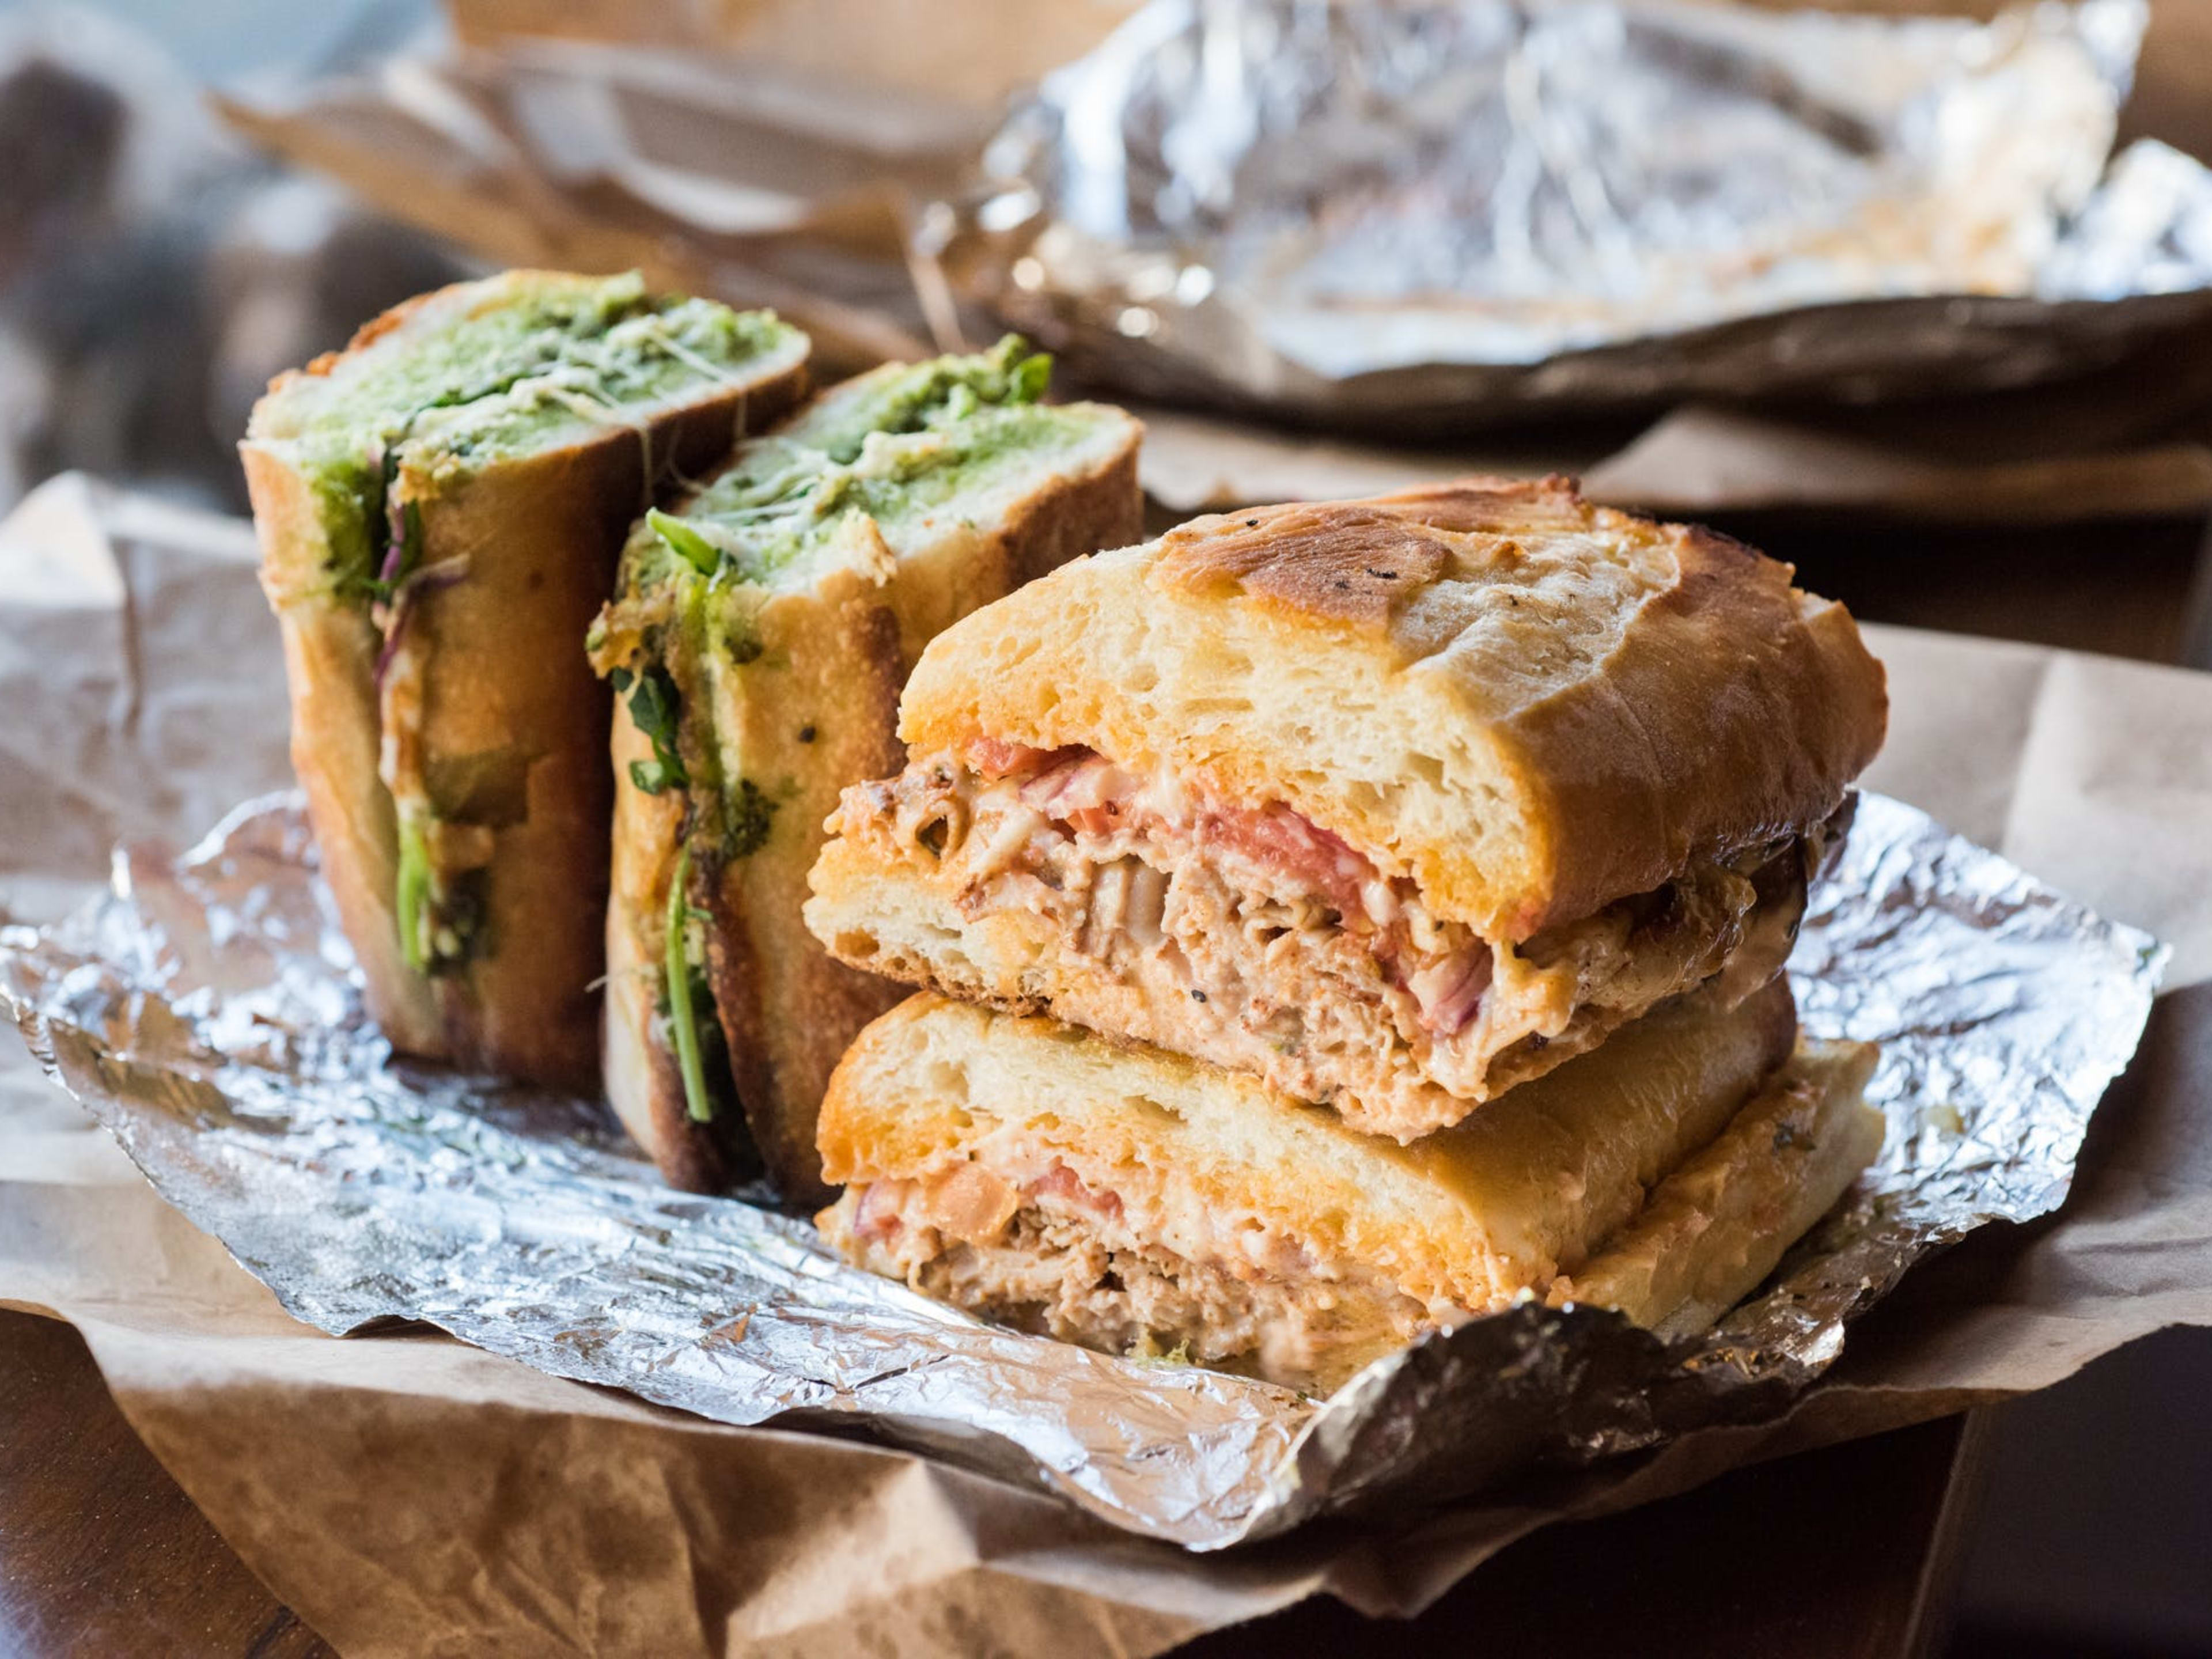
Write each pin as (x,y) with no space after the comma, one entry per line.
(102,1553)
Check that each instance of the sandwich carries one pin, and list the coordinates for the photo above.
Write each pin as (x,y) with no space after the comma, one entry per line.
(440,508)
(760,638)
(1394,804)
(1145,1204)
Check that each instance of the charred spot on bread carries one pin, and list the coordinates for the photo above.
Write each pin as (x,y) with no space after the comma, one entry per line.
(1341,561)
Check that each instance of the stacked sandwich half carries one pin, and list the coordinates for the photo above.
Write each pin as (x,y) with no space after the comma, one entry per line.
(1338,921)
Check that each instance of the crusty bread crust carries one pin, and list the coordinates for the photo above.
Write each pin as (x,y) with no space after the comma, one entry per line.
(787,1007)
(1715,1227)
(1471,1216)
(540,536)
(1530,705)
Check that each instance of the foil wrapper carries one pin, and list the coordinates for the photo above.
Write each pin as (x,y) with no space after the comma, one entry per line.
(207,1012)
(1457,211)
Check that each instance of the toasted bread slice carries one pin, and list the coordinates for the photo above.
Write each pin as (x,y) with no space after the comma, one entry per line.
(1147,1204)
(762,634)
(441,508)
(1395,803)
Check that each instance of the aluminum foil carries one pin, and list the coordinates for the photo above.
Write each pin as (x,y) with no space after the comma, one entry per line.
(1451,212)
(208,1012)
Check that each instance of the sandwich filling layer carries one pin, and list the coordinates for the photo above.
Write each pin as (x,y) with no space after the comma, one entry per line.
(1251,936)
(1025,1241)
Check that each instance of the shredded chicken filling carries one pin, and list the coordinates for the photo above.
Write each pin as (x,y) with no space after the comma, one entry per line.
(1056,1257)
(1248,933)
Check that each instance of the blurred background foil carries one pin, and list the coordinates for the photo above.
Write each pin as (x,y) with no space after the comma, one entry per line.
(1519,215)
(1433,216)
(1447,213)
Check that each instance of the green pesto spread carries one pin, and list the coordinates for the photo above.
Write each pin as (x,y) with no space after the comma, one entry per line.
(459,386)
(896,446)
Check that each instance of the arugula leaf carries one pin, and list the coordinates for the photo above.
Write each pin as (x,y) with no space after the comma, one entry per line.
(683,1016)
(653,705)
(702,554)
(411,541)
(656,776)
(413,893)
(1030,378)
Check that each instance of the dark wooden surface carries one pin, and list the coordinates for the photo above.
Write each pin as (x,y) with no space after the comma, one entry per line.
(1845,1553)
(1850,1552)
(100,1552)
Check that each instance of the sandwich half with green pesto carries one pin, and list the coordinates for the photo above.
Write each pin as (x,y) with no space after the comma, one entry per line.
(442,509)
(762,635)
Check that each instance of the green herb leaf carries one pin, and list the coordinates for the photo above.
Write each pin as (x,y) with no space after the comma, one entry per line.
(1030,378)
(411,540)
(655,776)
(653,707)
(683,1016)
(682,539)
(412,894)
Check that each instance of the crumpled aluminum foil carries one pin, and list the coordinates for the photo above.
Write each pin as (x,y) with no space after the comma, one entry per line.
(1453,211)
(206,1011)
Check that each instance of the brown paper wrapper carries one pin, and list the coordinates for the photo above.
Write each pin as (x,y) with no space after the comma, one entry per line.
(407,1494)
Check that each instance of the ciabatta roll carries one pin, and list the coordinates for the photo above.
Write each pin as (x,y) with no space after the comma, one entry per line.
(1395,805)
(1147,1204)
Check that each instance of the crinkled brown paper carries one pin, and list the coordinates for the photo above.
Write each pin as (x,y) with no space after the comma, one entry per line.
(395,1484)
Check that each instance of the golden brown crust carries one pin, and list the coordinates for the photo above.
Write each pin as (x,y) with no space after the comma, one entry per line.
(1105,508)
(1717,1226)
(1565,711)
(787,1008)
(1743,714)
(538,538)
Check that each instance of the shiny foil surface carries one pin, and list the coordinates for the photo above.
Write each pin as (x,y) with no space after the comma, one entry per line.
(1453,211)
(207,1013)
